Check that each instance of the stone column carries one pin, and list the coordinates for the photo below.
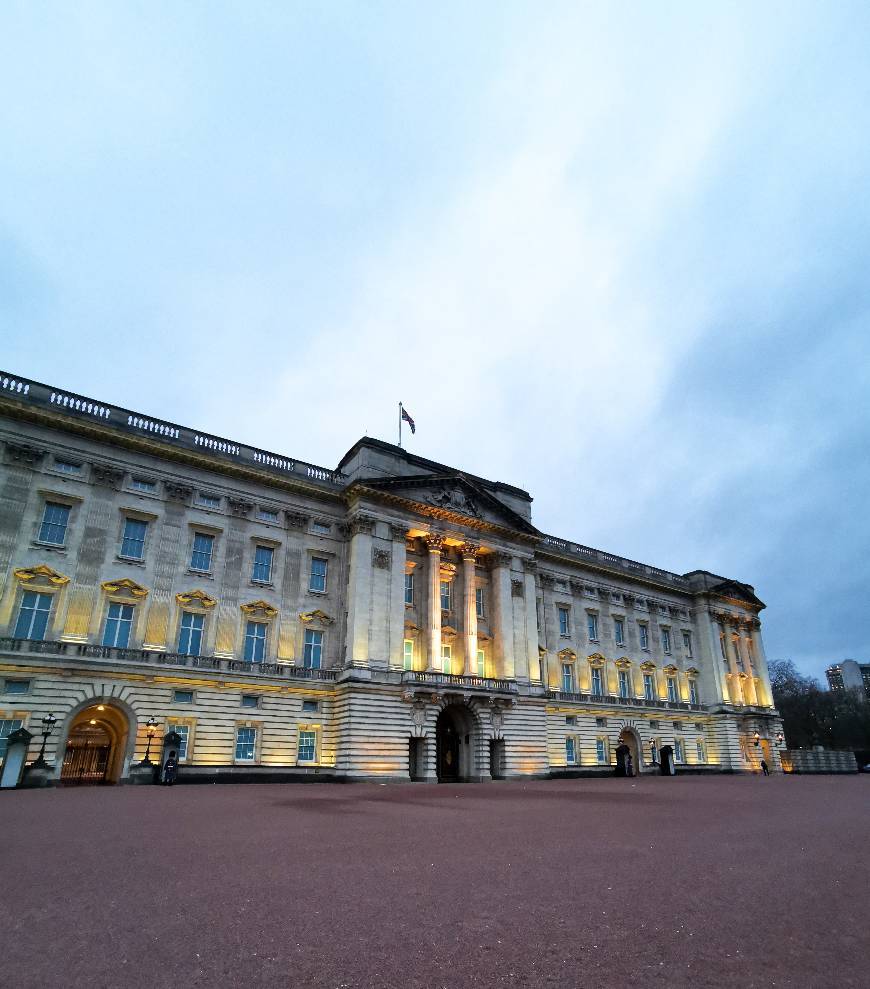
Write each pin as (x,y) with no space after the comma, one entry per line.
(435,544)
(736,690)
(531,597)
(359,591)
(765,698)
(503,625)
(469,553)
(397,596)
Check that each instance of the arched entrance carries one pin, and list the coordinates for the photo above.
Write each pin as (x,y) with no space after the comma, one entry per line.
(456,735)
(96,746)
(628,753)
(667,761)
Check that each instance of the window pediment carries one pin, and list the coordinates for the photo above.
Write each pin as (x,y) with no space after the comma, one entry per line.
(259,609)
(670,669)
(623,663)
(195,599)
(596,659)
(41,575)
(692,672)
(125,587)
(316,618)
(648,667)
(567,655)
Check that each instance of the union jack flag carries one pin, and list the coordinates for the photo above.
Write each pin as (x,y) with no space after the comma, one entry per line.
(408,420)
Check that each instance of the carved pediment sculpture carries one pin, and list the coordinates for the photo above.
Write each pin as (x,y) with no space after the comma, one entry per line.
(623,663)
(455,500)
(566,655)
(596,659)
(316,617)
(195,599)
(41,574)
(124,587)
(259,609)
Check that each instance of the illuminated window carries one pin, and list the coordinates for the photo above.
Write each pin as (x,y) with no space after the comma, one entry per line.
(571,750)
(446,595)
(263,557)
(33,616)
(649,690)
(317,577)
(601,751)
(409,589)
(597,687)
(183,732)
(255,642)
(203,546)
(408,659)
(190,634)
(592,626)
(246,743)
(666,640)
(672,689)
(619,631)
(568,678)
(307,750)
(687,643)
(644,636)
(7,726)
(55,519)
(445,659)
(481,662)
(313,651)
(623,683)
(119,621)
(564,621)
(480,602)
(133,541)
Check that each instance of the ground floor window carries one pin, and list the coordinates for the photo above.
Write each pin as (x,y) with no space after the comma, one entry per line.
(183,732)
(601,754)
(7,726)
(701,750)
(246,743)
(571,750)
(307,746)
(679,755)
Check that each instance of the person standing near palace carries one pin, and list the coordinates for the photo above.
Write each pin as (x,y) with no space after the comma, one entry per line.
(764,768)
(170,769)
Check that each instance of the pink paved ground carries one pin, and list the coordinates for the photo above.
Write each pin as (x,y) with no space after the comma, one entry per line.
(592,883)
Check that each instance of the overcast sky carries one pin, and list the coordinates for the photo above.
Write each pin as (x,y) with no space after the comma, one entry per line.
(614,253)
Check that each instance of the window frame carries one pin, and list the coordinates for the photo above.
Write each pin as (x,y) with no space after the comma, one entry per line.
(447,654)
(666,640)
(623,680)
(407,654)
(619,631)
(309,648)
(480,603)
(314,731)
(649,685)
(200,534)
(190,629)
(592,625)
(38,596)
(267,579)
(571,750)
(253,743)
(596,680)
(51,502)
(256,639)
(26,682)
(186,735)
(182,690)
(643,635)
(312,574)
(133,520)
(569,678)
(602,750)
(564,618)
(409,589)
(118,619)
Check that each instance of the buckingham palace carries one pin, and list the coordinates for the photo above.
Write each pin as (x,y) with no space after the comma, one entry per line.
(389,619)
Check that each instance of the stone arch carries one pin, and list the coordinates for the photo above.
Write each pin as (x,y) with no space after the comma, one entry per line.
(122,726)
(629,747)
(459,743)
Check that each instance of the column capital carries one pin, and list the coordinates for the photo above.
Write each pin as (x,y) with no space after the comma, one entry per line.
(470,551)
(362,524)
(530,566)
(499,559)
(398,532)
(435,542)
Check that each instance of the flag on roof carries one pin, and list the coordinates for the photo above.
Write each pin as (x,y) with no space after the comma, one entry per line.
(408,420)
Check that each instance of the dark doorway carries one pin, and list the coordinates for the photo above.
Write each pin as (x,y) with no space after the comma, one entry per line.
(449,741)
(417,758)
(667,760)
(87,756)
(457,733)
(496,758)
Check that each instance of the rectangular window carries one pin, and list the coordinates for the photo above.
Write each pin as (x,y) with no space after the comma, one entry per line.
(693,692)
(596,681)
(749,655)
(267,515)
(564,622)
(601,722)
(623,683)
(570,719)
(16,687)
(481,662)
(246,743)
(182,696)
(203,546)
(592,626)
(409,589)
(649,691)
(66,467)
(445,659)
(313,652)
(666,640)
(672,689)
(687,643)
(722,645)
(317,577)
(140,484)
(408,657)
(479,602)
(119,621)
(250,700)
(679,753)
(55,519)
(446,595)
(7,726)
(307,746)
(255,642)
(321,528)
(33,616)
(644,636)
(701,750)
(208,501)
(183,732)
(619,631)
(571,750)
(190,634)
(310,707)
(133,543)
(568,678)
(601,751)
(263,556)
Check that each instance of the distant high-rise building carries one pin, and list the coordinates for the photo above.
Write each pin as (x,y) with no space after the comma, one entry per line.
(849,674)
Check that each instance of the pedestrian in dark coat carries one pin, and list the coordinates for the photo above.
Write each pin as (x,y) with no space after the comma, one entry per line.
(764,768)
(170,769)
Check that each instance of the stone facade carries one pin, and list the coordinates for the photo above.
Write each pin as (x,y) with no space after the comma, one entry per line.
(390,619)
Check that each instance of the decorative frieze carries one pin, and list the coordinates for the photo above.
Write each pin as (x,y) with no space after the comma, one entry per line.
(178,492)
(381,558)
(125,586)
(41,574)
(106,475)
(25,454)
(196,599)
(240,507)
(434,542)
(296,520)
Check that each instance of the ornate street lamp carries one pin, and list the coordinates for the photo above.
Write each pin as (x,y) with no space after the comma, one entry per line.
(756,739)
(779,738)
(151,730)
(48,723)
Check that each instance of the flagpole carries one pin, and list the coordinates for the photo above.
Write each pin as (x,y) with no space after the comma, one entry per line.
(400,423)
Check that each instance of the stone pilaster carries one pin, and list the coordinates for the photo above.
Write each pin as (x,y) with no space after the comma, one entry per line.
(359,591)
(503,614)
(435,544)
(469,553)
(765,698)
(532,652)
(397,595)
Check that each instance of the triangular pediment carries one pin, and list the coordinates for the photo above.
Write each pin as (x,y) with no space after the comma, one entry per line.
(733,590)
(454,497)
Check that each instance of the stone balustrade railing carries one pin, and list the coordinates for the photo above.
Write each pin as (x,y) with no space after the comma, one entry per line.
(433,678)
(631,567)
(614,699)
(86,650)
(66,403)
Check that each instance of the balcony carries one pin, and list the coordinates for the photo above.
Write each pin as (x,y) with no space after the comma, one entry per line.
(214,664)
(447,682)
(614,701)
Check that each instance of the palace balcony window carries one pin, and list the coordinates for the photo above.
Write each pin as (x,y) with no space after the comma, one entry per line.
(571,750)
(133,540)
(592,626)
(119,622)
(722,645)
(190,634)
(408,655)
(246,744)
(141,484)
(33,616)
(409,589)
(446,595)
(307,746)
(7,726)
(623,683)
(649,689)
(644,636)
(480,602)
(55,519)
(481,662)
(687,643)
(568,678)
(446,659)
(255,642)
(693,692)
(183,732)
(597,688)
(564,621)
(749,654)
(317,576)
(666,640)
(312,653)
(601,756)
(673,696)
(263,557)
(619,631)
(203,547)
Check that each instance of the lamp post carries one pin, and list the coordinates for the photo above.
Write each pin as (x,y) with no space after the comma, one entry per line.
(48,723)
(779,738)
(756,739)
(151,730)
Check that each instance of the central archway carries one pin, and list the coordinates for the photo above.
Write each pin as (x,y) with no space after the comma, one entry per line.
(456,737)
(96,746)
(628,753)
